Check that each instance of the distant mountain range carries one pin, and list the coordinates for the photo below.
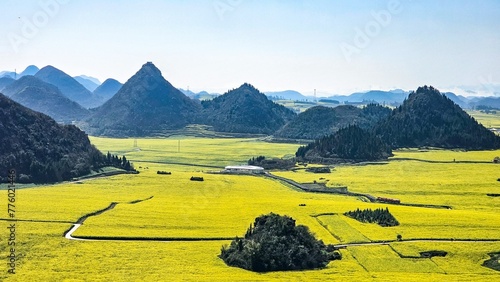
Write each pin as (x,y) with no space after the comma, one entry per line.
(90,83)
(288,95)
(10,74)
(203,95)
(30,70)
(90,78)
(69,87)
(393,97)
(108,88)
(148,104)
(46,98)
(493,102)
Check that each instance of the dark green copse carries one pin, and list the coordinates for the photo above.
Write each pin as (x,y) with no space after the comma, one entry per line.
(275,243)
(380,216)
(351,143)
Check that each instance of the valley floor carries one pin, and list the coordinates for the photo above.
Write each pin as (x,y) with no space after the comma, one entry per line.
(149,205)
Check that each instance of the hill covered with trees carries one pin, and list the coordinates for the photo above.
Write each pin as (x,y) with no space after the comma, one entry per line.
(319,121)
(145,104)
(39,149)
(346,145)
(245,110)
(429,118)
(426,119)
(275,243)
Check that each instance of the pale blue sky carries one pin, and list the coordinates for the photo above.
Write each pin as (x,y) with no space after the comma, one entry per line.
(216,45)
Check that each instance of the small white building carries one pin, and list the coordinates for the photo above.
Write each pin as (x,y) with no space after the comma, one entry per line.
(247,169)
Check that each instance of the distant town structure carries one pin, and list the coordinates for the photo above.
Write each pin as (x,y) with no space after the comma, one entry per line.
(244,169)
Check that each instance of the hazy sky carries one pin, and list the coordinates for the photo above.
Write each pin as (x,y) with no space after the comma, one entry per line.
(216,45)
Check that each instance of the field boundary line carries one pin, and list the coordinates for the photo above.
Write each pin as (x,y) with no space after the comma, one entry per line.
(37,220)
(440,162)
(69,236)
(435,240)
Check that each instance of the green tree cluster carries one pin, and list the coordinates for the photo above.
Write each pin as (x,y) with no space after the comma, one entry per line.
(275,243)
(350,143)
(115,161)
(380,216)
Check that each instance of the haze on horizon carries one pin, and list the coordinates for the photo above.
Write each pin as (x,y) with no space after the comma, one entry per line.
(336,47)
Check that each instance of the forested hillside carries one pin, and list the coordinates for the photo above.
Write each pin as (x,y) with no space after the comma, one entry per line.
(245,110)
(39,149)
(145,104)
(319,121)
(348,144)
(429,118)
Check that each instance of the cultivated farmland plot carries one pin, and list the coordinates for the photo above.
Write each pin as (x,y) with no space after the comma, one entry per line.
(166,227)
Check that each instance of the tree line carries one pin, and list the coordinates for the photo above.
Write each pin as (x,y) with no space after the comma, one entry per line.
(350,143)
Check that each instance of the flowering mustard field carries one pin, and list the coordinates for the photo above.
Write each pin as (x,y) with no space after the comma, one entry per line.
(171,207)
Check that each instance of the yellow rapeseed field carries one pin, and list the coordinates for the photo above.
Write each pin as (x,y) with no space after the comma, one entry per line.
(225,205)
